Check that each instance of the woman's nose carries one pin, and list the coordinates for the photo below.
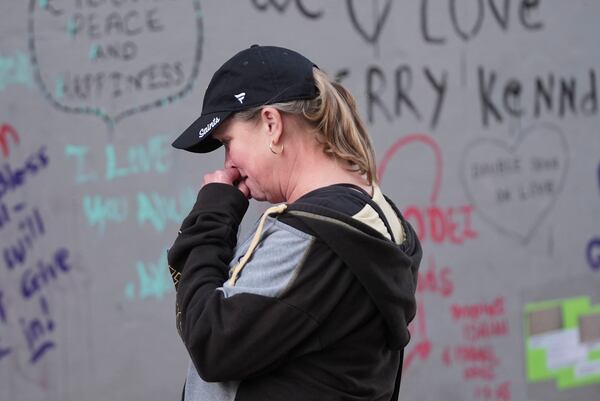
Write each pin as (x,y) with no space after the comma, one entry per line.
(228,162)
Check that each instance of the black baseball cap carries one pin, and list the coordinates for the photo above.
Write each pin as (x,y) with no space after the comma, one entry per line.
(257,76)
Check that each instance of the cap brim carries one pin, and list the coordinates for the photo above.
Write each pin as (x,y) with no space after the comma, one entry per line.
(192,141)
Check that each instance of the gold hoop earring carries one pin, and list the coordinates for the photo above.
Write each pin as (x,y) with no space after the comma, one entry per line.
(272,151)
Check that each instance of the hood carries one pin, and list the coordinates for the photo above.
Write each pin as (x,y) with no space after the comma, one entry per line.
(386,270)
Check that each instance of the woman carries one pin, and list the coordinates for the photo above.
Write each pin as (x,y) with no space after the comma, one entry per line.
(315,304)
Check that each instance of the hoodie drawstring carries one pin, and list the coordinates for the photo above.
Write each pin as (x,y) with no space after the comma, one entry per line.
(278,209)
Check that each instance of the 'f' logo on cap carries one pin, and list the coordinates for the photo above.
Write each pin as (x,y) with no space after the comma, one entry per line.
(240,97)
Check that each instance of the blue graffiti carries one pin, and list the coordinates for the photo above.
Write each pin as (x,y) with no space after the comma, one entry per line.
(100,211)
(153,280)
(149,158)
(30,229)
(13,178)
(43,274)
(151,208)
(15,70)
(159,210)
(2,310)
(36,332)
(4,350)
(152,157)
(80,154)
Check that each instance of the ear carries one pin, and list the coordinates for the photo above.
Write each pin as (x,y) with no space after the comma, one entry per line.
(272,121)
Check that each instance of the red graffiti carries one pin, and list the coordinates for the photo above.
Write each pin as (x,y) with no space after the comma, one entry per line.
(477,362)
(475,311)
(483,320)
(437,152)
(490,393)
(431,280)
(469,354)
(421,345)
(452,224)
(434,223)
(479,373)
(435,280)
(486,329)
(7,130)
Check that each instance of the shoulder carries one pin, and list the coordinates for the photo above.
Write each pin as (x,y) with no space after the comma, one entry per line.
(346,199)
(274,262)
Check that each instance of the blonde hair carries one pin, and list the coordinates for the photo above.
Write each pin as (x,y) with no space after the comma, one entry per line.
(338,126)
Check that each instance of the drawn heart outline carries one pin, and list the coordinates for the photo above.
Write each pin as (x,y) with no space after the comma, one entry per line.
(488,216)
(380,20)
(110,120)
(430,143)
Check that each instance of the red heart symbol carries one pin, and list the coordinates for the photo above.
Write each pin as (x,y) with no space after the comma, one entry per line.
(402,143)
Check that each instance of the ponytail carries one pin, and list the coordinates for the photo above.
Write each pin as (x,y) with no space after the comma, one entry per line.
(334,115)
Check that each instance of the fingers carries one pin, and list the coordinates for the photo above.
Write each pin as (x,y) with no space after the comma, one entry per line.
(230,176)
(244,188)
(224,176)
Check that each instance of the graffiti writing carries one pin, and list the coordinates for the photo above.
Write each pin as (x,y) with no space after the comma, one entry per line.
(398,99)
(117,61)
(420,94)
(490,392)
(362,12)
(466,19)
(12,178)
(434,223)
(150,157)
(8,134)
(37,333)
(481,321)
(34,279)
(4,349)
(431,281)
(592,251)
(152,280)
(25,310)
(435,280)
(514,186)
(475,357)
(151,208)
(30,230)
(550,95)
(476,361)
(282,5)
(15,70)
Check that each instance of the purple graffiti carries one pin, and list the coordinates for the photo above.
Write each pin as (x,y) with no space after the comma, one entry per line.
(4,351)
(593,253)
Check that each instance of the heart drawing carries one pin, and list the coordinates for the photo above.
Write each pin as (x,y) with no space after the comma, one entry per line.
(405,172)
(369,15)
(116,59)
(514,186)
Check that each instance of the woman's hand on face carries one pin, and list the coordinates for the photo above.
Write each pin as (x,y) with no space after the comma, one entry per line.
(230,176)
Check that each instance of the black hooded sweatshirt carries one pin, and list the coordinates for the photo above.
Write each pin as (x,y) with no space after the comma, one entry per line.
(319,310)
